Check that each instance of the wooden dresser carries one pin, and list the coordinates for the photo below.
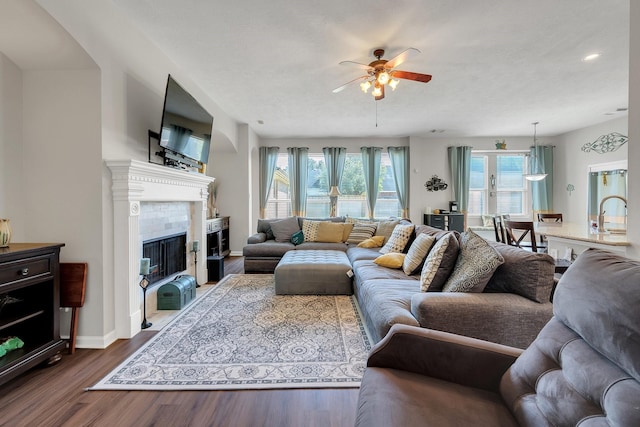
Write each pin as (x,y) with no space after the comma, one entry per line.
(30,305)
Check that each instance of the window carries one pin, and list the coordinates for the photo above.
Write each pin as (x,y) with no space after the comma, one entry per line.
(352,201)
(497,184)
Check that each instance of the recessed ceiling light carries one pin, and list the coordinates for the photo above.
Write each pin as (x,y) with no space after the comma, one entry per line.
(591,57)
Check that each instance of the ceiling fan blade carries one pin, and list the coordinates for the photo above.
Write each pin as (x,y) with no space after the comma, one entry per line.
(357,64)
(408,75)
(339,89)
(401,57)
(378,98)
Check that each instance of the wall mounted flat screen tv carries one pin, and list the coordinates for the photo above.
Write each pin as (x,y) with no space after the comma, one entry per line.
(186,125)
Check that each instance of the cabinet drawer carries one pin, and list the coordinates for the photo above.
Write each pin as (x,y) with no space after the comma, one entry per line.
(24,269)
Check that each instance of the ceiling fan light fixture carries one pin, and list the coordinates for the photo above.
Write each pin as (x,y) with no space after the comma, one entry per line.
(393,83)
(377,90)
(383,78)
(365,85)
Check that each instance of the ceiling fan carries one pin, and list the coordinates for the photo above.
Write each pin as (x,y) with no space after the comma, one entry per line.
(382,72)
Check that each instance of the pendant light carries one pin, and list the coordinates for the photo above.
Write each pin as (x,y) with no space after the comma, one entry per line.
(536,173)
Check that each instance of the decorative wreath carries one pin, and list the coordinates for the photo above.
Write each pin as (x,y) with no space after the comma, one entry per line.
(435,184)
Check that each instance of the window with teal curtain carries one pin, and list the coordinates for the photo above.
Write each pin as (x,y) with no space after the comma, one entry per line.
(542,191)
(268,157)
(371,167)
(334,158)
(400,164)
(460,167)
(298,161)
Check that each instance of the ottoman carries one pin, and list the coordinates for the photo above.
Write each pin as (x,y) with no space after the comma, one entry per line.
(314,272)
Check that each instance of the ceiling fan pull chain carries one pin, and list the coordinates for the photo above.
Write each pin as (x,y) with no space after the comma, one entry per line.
(376,113)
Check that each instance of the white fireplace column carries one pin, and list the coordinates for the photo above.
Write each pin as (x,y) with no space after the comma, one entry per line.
(134,182)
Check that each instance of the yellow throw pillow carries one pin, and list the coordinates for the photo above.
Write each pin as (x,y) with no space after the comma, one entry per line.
(330,232)
(373,242)
(346,230)
(390,260)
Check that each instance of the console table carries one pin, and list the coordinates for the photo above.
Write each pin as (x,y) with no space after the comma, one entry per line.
(450,221)
(30,290)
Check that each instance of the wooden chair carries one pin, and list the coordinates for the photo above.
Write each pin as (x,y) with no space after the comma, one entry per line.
(517,238)
(549,217)
(73,285)
(499,229)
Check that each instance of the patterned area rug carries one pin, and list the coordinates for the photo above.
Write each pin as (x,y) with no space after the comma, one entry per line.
(240,335)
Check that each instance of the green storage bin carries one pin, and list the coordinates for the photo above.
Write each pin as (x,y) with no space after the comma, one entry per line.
(177,293)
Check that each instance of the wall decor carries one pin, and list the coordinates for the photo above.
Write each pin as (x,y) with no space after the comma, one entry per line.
(435,184)
(501,145)
(570,188)
(606,143)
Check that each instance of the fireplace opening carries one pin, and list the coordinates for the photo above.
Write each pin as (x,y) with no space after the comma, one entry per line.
(168,255)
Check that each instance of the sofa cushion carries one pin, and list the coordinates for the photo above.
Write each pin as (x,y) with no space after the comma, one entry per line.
(361,231)
(525,273)
(417,253)
(284,229)
(310,230)
(373,242)
(346,231)
(390,260)
(386,302)
(330,232)
(385,228)
(399,238)
(297,237)
(269,248)
(301,219)
(439,263)
(356,254)
(475,265)
(366,269)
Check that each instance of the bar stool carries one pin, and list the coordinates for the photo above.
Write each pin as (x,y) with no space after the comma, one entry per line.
(73,285)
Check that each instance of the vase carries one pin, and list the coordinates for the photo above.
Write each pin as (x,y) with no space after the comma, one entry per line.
(5,233)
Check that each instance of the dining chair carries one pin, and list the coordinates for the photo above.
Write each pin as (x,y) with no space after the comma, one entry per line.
(516,233)
(499,229)
(549,217)
(73,286)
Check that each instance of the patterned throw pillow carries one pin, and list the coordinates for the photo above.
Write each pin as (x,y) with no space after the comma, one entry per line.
(310,230)
(361,231)
(417,253)
(390,260)
(399,238)
(373,242)
(476,263)
(439,263)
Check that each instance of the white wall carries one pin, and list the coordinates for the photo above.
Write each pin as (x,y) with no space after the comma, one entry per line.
(62,159)
(11,206)
(575,165)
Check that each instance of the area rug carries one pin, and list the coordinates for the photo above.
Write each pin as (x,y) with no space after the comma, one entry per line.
(240,335)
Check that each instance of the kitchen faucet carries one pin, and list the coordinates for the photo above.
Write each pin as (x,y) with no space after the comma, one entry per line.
(601,212)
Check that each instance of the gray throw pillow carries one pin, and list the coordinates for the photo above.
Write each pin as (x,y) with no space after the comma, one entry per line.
(476,263)
(284,229)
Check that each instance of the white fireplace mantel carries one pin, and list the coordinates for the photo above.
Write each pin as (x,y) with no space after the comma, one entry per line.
(134,182)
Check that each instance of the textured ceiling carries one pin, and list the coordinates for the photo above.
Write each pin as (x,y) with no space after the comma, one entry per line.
(497,65)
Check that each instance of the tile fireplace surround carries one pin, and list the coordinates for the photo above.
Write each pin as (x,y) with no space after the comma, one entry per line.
(135,182)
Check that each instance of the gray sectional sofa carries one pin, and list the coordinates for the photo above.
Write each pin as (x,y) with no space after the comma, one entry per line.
(511,310)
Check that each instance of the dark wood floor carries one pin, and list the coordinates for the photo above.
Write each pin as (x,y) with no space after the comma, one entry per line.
(56,396)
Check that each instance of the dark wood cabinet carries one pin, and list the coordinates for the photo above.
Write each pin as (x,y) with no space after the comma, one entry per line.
(30,305)
(450,221)
(218,236)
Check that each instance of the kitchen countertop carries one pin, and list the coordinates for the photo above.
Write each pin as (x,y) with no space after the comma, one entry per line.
(580,232)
